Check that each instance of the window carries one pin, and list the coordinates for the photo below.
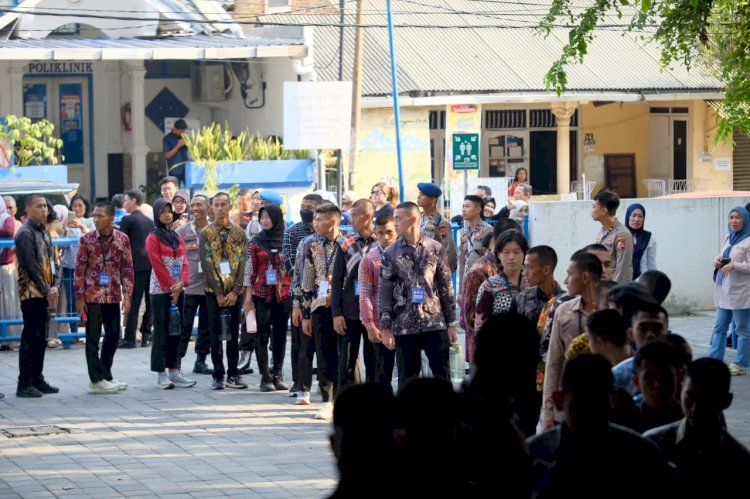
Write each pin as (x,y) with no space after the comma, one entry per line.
(279,3)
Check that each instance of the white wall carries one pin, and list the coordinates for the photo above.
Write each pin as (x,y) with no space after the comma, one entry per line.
(689,235)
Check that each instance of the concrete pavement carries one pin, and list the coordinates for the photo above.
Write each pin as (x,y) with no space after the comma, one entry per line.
(147,442)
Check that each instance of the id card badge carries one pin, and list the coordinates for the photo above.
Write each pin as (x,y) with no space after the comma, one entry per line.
(322,289)
(417,294)
(271,277)
(224,267)
(200,268)
(104,279)
(52,267)
(356,287)
(176,270)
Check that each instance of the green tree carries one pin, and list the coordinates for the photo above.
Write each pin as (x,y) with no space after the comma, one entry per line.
(712,33)
(34,143)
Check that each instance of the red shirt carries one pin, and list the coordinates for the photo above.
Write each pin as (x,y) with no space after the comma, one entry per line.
(98,254)
(262,260)
(162,259)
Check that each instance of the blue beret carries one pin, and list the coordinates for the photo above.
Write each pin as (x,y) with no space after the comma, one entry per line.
(429,189)
(272,197)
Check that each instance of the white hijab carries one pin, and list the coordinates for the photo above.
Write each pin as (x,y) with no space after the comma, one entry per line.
(4,215)
(518,205)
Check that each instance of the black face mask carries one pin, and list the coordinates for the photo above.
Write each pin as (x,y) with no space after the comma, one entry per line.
(306,215)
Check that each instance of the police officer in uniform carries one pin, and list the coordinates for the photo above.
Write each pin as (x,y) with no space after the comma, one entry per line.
(432,224)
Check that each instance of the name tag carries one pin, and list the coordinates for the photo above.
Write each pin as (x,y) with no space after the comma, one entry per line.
(322,289)
(191,245)
(225,268)
(271,279)
(176,270)
(200,268)
(417,295)
(104,279)
(356,287)
(52,267)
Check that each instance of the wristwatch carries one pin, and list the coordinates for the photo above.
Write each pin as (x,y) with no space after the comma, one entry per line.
(453,324)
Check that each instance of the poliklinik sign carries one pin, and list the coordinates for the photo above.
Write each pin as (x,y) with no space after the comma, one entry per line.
(60,67)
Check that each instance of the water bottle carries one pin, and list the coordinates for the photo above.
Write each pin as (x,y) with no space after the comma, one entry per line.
(226,325)
(175,329)
(457,363)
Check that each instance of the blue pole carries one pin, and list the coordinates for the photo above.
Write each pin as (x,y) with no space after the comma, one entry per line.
(396,112)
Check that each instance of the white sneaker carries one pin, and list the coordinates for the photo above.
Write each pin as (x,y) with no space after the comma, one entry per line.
(326,412)
(736,370)
(163,382)
(179,380)
(103,387)
(121,385)
(303,398)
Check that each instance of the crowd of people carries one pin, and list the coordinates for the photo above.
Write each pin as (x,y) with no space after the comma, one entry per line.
(563,381)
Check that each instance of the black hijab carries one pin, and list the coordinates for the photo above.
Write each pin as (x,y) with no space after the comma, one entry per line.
(164,231)
(271,239)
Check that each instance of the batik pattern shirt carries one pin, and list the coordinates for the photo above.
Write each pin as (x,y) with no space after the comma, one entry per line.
(290,243)
(225,243)
(163,261)
(345,288)
(470,248)
(98,254)
(317,268)
(422,266)
(530,302)
(37,272)
(299,260)
(261,261)
(485,268)
(496,296)
(369,282)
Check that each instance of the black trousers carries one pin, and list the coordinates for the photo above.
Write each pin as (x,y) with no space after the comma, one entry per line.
(272,319)
(233,348)
(409,356)
(107,315)
(348,345)
(140,292)
(386,360)
(165,348)
(195,304)
(326,348)
(33,341)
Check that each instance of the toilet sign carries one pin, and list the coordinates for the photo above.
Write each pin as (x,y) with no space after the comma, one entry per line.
(466,151)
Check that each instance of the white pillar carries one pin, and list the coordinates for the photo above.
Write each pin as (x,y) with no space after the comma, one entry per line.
(563,111)
(16,90)
(138,148)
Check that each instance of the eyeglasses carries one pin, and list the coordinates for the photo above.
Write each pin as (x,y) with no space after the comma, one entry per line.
(373,193)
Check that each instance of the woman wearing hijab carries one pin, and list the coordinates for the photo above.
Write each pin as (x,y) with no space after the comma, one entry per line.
(180,204)
(732,292)
(169,276)
(10,305)
(267,286)
(67,303)
(644,242)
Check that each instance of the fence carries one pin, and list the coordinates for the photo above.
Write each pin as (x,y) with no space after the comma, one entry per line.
(62,316)
(660,187)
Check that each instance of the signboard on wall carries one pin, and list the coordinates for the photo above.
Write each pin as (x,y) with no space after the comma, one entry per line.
(465,151)
(317,114)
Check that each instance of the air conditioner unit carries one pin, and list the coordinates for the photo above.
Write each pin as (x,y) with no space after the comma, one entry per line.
(207,82)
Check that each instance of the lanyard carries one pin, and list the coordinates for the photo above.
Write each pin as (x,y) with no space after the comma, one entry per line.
(223,235)
(109,242)
(328,259)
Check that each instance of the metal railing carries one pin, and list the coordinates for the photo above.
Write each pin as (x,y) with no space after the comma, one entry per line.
(583,190)
(660,187)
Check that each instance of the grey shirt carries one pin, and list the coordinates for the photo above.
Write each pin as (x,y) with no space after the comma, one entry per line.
(191,234)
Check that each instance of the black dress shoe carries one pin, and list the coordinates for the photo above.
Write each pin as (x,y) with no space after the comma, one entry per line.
(202,368)
(278,382)
(27,391)
(146,342)
(2,396)
(45,387)
(126,344)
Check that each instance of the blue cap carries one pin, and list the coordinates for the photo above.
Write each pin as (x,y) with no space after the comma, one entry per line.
(272,197)
(428,189)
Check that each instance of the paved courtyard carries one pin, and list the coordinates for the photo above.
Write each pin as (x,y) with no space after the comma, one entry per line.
(147,442)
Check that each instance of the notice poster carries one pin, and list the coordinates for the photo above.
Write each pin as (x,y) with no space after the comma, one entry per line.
(460,119)
(71,122)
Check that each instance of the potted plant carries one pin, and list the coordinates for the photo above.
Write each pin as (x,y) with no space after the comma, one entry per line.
(30,151)
(221,160)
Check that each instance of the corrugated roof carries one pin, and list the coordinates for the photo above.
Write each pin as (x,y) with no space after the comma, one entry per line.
(469,46)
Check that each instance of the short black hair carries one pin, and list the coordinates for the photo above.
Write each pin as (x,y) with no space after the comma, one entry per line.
(510,236)
(588,263)
(118,200)
(170,178)
(244,192)
(608,199)
(329,210)
(712,375)
(604,287)
(201,196)
(651,308)
(136,195)
(409,206)
(487,240)
(609,325)
(486,188)
(313,197)
(630,297)
(28,200)
(221,194)
(658,352)
(384,220)
(108,207)
(594,247)
(546,254)
(475,199)
(657,283)
(588,373)
(681,347)
(506,224)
